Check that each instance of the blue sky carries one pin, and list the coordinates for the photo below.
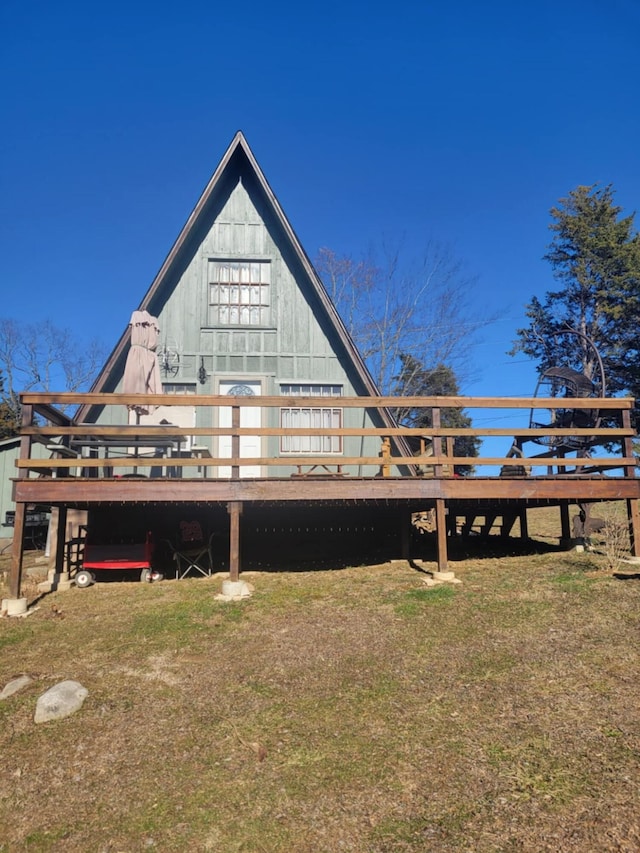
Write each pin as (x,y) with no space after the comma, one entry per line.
(461,121)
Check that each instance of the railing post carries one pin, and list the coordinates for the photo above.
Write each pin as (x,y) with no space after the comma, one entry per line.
(235,440)
(17,553)
(437,441)
(385,453)
(633,515)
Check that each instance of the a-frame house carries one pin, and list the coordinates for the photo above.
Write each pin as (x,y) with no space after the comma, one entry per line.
(241,309)
(243,316)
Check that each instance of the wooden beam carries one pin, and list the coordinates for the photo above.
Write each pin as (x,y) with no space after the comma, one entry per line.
(385,454)
(235,442)
(405,534)
(79,492)
(633,517)
(508,520)
(61,538)
(70,398)
(53,415)
(234,508)
(565,524)
(449,432)
(595,464)
(489,521)
(441,531)
(437,444)
(17,553)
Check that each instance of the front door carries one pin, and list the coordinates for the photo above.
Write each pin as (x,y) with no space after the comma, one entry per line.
(250,416)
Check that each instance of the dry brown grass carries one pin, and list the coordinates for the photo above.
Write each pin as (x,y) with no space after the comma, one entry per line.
(353,710)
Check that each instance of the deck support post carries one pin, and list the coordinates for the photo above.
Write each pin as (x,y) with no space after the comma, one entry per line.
(15,576)
(441,531)
(441,510)
(565,526)
(405,536)
(17,554)
(61,538)
(234,508)
(524,525)
(58,576)
(633,517)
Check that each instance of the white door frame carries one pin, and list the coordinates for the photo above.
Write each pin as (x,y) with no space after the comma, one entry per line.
(249,416)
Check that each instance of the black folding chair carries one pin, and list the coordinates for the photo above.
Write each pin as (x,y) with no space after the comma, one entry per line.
(192,551)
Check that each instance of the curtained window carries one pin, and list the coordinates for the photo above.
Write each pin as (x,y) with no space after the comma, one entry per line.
(311,417)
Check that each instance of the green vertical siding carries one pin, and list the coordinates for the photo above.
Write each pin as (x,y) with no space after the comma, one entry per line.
(299,343)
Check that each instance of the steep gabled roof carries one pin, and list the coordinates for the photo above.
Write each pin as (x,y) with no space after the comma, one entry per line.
(191,227)
(240,143)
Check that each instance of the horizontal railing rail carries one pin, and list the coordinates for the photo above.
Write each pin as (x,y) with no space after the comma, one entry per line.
(451,432)
(281,461)
(75,398)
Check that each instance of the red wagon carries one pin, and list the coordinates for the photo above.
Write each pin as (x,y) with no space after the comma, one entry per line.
(128,556)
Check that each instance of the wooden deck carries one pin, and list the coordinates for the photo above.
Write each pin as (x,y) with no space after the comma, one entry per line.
(89,465)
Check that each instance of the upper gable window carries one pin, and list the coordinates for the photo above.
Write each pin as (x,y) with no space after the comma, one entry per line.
(240,292)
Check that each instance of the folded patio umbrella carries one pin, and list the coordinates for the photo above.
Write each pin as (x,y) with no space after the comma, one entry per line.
(141,371)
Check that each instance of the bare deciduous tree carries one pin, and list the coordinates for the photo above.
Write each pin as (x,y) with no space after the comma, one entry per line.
(43,357)
(392,309)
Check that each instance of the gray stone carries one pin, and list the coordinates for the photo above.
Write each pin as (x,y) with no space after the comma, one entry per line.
(15,685)
(60,701)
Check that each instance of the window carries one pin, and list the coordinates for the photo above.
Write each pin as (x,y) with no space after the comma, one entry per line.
(239,292)
(320,417)
(178,387)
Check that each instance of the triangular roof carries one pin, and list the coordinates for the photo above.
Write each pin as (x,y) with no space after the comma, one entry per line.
(240,147)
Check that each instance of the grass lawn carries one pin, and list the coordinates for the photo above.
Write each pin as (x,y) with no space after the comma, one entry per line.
(351,710)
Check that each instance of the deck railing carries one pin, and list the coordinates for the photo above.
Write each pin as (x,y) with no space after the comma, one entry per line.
(55,445)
